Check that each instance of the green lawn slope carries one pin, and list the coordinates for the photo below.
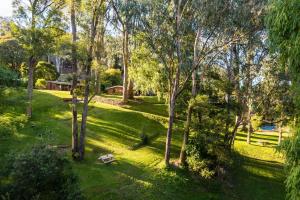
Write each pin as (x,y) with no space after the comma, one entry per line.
(138,172)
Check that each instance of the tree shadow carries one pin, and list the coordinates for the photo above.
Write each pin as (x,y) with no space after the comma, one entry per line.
(262,178)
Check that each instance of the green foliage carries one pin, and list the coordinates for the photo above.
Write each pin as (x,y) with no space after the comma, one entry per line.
(256,122)
(45,71)
(206,150)
(38,35)
(112,77)
(41,84)
(115,129)
(8,77)
(146,72)
(40,173)
(291,148)
(11,54)
(9,125)
(283,22)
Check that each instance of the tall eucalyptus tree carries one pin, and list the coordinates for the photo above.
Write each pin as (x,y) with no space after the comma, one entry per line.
(124,20)
(37,24)
(91,14)
(73,7)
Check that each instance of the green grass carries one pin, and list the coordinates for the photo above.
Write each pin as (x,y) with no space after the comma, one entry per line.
(258,169)
(137,174)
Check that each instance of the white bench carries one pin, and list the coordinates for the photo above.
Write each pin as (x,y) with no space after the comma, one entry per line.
(107,158)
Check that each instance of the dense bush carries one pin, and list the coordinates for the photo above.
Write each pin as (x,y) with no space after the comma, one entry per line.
(41,173)
(12,53)
(10,124)
(291,148)
(256,122)
(40,83)
(8,77)
(111,77)
(207,155)
(44,70)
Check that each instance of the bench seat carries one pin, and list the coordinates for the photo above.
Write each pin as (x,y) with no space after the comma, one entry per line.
(107,158)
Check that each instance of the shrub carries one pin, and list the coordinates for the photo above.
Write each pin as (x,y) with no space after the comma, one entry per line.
(112,77)
(256,122)
(6,128)
(207,152)
(41,83)
(8,77)
(291,149)
(10,124)
(40,173)
(44,70)
(144,139)
(207,156)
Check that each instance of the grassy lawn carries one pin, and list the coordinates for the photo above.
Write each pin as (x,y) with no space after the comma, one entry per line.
(138,174)
(258,170)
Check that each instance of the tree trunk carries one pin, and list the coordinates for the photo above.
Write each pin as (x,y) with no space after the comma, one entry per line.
(130,90)
(234,131)
(280,129)
(125,64)
(186,133)
(249,91)
(74,84)
(94,25)
(280,133)
(31,65)
(236,73)
(249,123)
(97,82)
(85,109)
(172,104)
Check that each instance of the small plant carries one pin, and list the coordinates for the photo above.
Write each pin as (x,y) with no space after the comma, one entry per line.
(8,77)
(41,173)
(144,139)
(9,125)
(41,83)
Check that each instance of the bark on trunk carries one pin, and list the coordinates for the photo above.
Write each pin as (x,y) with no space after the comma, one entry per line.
(97,82)
(236,72)
(186,134)
(74,84)
(175,85)
(130,90)
(234,131)
(249,123)
(94,25)
(125,64)
(249,92)
(280,129)
(182,158)
(31,65)
(85,110)
(279,133)
(170,127)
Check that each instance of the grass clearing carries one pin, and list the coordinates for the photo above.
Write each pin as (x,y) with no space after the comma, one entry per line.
(137,174)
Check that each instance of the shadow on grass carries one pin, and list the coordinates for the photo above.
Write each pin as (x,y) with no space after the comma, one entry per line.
(124,179)
(263,178)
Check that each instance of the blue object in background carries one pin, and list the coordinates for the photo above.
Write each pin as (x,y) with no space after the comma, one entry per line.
(268,127)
